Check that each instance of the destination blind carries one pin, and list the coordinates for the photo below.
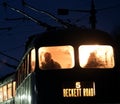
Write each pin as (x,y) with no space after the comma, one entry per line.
(80,89)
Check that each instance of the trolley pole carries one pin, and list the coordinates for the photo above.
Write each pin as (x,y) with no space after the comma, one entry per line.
(92,17)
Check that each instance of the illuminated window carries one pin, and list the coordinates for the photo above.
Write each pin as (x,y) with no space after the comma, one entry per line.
(25,67)
(33,60)
(28,64)
(1,95)
(9,90)
(22,71)
(4,92)
(96,56)
(14,88)
(62,57)
(19,77)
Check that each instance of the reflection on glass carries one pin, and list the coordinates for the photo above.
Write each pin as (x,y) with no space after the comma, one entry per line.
(56,57)
(96,56)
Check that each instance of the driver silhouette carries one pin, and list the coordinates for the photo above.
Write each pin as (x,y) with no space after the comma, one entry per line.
(49,63)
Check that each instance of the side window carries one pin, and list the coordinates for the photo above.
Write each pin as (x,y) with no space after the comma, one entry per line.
(9,90)
(1,94)
(5,92)
(28,63)
(56,57)
(33,58)
(96,56)
(14,88)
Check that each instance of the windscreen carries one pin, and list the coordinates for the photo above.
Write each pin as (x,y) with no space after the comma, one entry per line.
(96,56)
(56,57)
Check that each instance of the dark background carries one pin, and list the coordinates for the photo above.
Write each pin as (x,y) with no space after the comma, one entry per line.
(14,31)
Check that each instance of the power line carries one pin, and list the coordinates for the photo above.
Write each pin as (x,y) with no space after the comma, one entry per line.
(14,48)
(7,64)
(13,58)
(49,27)
(14,19)
(110,7)
(58,20)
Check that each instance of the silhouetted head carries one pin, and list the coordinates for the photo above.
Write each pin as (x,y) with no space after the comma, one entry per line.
(47,56)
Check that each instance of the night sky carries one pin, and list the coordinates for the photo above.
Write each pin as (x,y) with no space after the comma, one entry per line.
(14,31)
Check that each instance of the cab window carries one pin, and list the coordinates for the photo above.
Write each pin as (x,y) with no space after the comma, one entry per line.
(56,57)
(96,56)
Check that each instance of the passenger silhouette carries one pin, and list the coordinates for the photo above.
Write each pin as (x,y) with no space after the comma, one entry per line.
(94,61)
(49,62)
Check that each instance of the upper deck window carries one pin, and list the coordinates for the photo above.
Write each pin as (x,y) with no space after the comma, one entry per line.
(56,57)
(96,56)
